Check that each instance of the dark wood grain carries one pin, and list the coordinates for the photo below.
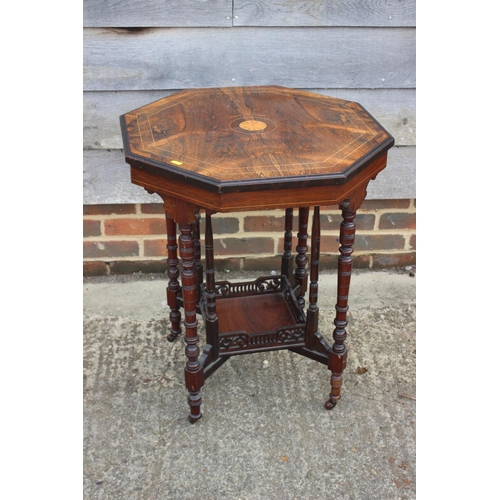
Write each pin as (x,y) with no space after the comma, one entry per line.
(209,309)
(300,275)
(312,311)
(231,137)
(198,268)
(194,370)
(338,356)
(239,315)
(286,260)
(173,289)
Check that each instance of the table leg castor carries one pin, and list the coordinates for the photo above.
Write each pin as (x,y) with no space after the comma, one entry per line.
(329,405)
(194,419)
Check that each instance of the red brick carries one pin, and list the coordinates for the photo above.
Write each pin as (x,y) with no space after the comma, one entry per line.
(330,222)
(268,223)
(360,261)
(281,242)
(266,264)
(386,261)
(91,228)
(375,205)
(158,248)
(112,249)
(256,223)
(222,225)
(362,242)
(397,221)
(222,265)
(243,246)
(328,243)
(152,208)
(134,226)
(413,242)
(138,266)
(155,248)
(368,242)
(118,209)
(385,204)
(95,268)
(331,262)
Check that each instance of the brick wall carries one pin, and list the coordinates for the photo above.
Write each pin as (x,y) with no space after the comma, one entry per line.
(122,239)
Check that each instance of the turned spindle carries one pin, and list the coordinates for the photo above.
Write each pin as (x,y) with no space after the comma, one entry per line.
(337,359)
(286,260)
(193,371)
(301,259)
(211,322)
(312,311)
(173,288)
(198,268)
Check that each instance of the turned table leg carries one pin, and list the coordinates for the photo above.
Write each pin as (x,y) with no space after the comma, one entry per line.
(198,268)
(286,260)
(173,279)
(337,359)
(193,371)
(301,259)
(312,311)
(211,323)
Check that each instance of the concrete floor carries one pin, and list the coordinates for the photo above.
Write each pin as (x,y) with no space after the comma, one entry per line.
(264,433)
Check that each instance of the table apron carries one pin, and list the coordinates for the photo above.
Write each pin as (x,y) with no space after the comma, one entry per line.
(260,200)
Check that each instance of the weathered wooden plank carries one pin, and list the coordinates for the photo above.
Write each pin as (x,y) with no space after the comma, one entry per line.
(324,13)
(148,13)
(172,58)
(393,108)
(106,178)
(398,179)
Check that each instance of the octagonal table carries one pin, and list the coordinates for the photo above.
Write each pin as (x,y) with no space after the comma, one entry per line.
(243,149)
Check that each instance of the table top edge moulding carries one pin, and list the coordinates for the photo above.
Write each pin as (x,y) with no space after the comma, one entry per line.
(243,149)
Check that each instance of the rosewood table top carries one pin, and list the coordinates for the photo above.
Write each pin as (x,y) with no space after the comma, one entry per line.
(223,142)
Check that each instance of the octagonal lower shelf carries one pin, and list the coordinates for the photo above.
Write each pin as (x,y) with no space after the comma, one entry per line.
(257,316)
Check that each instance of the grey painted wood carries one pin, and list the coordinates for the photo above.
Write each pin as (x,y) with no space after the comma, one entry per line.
(398,179)
(393,108)
(219,13)
(137,13)
(172,58)
(324,13)
(106,178)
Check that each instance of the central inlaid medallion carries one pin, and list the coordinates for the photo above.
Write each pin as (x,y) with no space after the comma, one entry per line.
(253,125)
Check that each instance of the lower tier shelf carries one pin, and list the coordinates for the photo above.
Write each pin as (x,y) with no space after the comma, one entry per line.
(257,316)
